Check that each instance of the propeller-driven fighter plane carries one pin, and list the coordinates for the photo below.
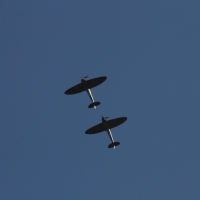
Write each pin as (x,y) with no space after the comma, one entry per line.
(106,126)
(86,85)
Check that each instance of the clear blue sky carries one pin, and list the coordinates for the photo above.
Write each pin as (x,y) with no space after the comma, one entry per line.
(150,52)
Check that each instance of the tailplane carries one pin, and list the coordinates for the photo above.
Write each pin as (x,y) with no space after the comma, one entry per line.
(114,144)
(94,104)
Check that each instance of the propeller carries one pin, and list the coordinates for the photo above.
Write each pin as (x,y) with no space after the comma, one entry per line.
(104,117)
(84,77)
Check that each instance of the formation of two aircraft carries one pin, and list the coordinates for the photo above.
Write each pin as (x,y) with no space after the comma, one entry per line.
(86,85)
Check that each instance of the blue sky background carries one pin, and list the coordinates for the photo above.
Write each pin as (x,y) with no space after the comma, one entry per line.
(149,50)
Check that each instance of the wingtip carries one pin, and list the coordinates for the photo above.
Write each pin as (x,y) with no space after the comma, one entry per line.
(66,92)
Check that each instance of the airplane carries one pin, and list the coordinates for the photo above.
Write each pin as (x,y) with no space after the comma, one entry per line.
(106,126)
(86,85)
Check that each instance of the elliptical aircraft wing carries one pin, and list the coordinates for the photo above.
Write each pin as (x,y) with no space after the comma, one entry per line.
(111,124)
(96,129)
(76,89)
(95,81)
(116,122)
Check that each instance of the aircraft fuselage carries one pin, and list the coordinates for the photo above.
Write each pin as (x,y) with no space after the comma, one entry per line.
(108,130)
(87,89)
